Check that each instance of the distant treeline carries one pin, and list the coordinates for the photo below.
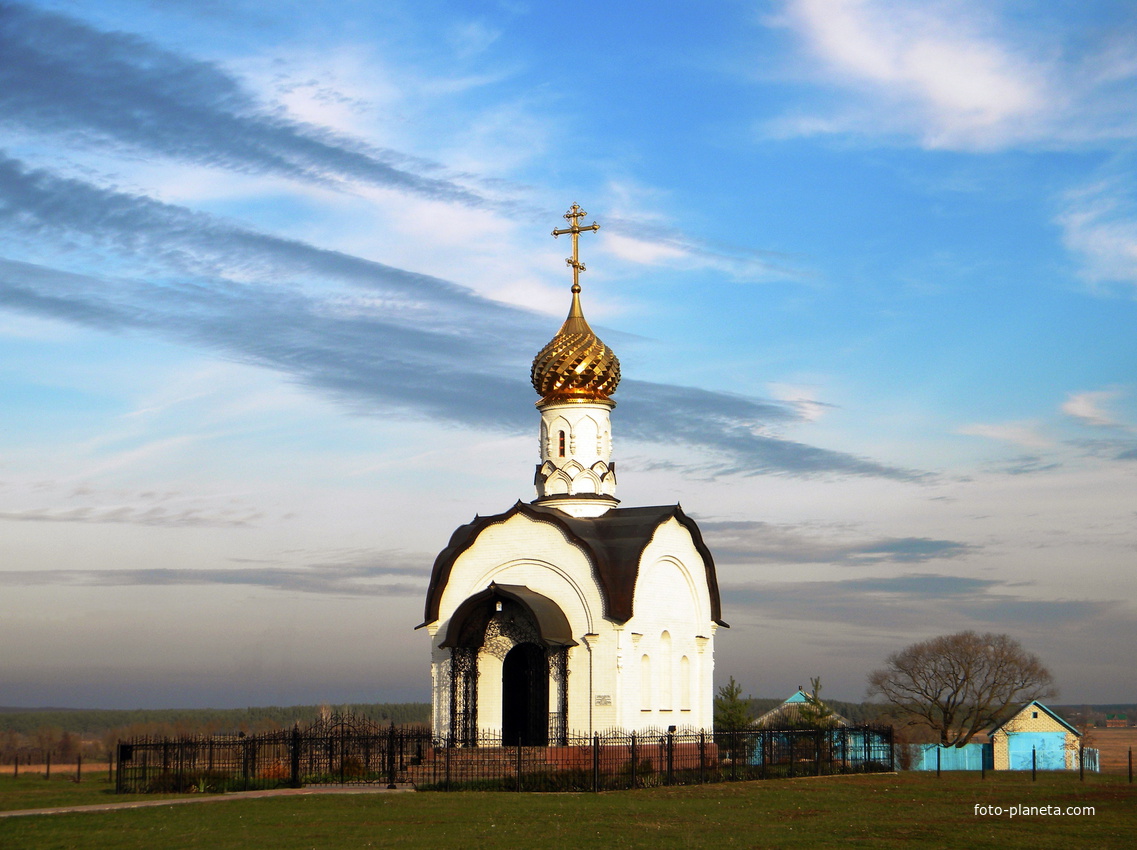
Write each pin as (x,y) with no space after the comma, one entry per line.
(92,733)
(91,722)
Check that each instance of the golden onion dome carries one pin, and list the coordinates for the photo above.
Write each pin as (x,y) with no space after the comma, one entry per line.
(575,364)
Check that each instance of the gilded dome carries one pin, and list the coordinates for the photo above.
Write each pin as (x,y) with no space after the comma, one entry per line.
(575,364)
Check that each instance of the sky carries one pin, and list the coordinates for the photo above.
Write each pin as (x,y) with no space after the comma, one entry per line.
(272,276)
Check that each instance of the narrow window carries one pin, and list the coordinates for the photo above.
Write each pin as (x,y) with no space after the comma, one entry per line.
(645,684)
(665,671)
(562,444)
(685,683)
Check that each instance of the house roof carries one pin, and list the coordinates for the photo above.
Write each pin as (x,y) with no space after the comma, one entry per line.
(793,713)
(613,544)
(1041,707)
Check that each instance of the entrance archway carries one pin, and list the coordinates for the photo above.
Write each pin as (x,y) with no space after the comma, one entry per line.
(529,635)
(525,696)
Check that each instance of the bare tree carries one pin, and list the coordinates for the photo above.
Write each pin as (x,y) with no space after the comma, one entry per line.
(958,684)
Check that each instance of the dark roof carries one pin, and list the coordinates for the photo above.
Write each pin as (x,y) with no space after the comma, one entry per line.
(613,543)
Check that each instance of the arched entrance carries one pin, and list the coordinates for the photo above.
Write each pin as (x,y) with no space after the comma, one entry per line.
(527,637)
(525,696)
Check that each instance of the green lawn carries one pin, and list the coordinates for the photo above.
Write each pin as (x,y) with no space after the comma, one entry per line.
(858,811)
(32,791)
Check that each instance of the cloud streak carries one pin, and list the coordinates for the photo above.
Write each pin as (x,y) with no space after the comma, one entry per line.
(371,334)
(749,542)
(954,75)
(366,575)
(60,76)
(155,516)
(912,601)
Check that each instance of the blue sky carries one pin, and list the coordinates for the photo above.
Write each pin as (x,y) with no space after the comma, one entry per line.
(271,277)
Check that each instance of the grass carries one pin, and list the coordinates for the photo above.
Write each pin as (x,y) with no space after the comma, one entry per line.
(32,791)
(856,811)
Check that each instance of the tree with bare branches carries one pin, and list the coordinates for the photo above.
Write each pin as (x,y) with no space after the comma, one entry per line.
(958,684)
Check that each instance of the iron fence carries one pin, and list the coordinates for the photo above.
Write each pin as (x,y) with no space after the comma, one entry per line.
(344,750)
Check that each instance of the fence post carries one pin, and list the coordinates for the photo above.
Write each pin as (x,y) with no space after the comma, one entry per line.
(118,764)
(294,757)
(1033,764)
(16,772)
(702,755)
(446,749)
(671,755)
(1082,763)
(939,753)
(79,767)
(1130,765)
(793,746)
(391,756)
(634,760)
(816,752)
(519,763)
(48,760)
(595,762)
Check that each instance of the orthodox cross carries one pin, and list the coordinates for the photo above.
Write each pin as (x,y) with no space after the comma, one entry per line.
(574,216)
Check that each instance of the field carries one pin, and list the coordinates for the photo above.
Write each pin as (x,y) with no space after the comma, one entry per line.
(1115,745)
(866,811)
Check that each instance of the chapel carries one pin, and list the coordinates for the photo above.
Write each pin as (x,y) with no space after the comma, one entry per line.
(569,613)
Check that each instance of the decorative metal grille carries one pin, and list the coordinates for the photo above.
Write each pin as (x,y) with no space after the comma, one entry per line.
(464,695)
(559,673)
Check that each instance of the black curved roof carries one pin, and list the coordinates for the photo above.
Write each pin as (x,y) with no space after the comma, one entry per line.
(613,543)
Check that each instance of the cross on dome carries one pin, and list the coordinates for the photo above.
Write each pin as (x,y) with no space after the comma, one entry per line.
(574,215)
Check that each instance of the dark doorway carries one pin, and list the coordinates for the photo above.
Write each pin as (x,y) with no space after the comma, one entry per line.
(525,696)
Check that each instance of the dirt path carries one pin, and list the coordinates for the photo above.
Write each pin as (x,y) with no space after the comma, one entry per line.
(212,798)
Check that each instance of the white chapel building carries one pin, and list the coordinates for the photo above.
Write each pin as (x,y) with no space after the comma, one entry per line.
(570,613)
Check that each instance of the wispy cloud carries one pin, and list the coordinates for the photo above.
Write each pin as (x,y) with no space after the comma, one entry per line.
(112,91)
(361,330)
(61,76)
(366,574)
(1018,433)
(1026,465)
(129,515)
(748,542)
(1090,408)
(1099,225)
(920,602)
(956,76)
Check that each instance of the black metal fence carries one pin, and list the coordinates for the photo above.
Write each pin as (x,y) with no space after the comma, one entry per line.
(344,750)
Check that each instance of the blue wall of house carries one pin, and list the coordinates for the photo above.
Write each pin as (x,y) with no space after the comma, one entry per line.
(1048,749)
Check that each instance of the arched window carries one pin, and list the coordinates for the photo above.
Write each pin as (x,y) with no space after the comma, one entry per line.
(685,683)
(665,671)
(645,684)
(562,444)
